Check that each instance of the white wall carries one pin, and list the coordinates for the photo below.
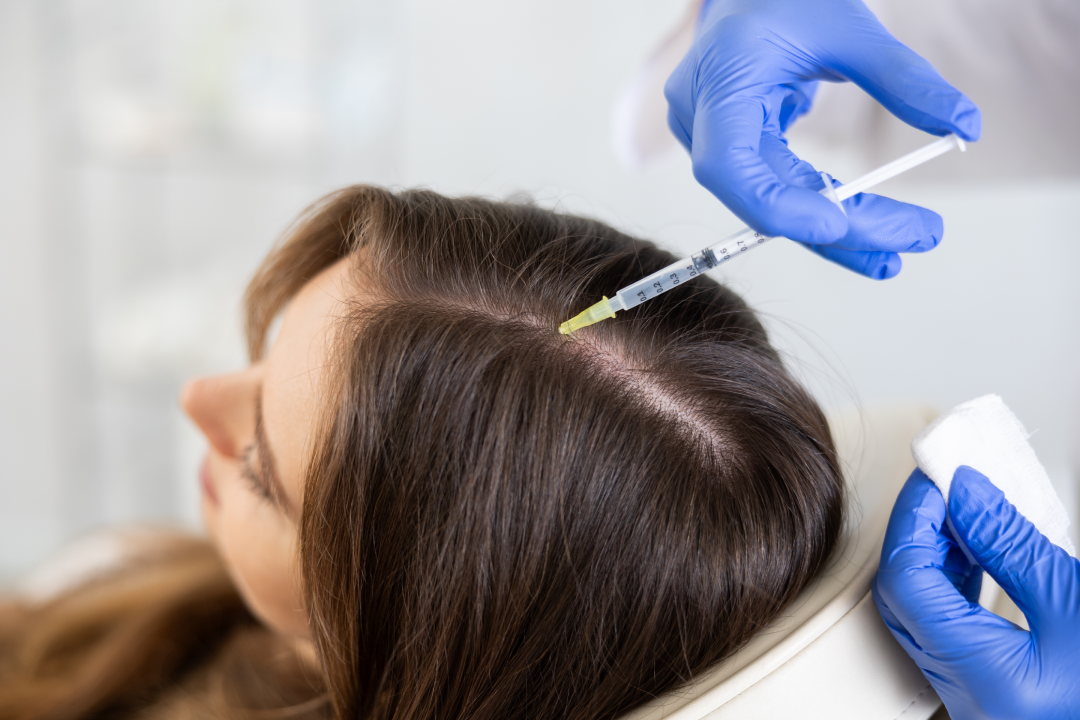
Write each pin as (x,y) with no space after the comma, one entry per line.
(29,479)
(153,151)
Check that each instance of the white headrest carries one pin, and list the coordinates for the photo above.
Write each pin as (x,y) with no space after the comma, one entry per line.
(830,655)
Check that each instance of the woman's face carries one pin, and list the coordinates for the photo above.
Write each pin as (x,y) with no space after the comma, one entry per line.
(259,423)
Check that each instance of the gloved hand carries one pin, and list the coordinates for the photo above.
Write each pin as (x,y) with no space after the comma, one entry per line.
(753,69)
(981,665)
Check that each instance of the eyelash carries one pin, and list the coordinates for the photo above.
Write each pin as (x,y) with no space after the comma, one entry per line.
(254,480)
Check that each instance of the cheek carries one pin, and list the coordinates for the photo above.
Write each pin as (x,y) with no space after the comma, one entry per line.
(258,545)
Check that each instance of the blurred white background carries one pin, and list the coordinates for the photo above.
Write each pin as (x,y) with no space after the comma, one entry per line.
(152,151)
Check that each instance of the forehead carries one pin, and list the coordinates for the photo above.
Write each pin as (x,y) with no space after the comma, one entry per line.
(294,370)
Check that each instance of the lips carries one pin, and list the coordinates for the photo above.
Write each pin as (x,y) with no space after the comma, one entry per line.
(207,481)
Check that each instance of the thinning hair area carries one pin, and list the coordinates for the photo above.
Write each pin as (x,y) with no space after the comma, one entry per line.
(503,522)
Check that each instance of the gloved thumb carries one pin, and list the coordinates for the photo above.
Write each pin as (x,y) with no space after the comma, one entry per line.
(1037,574)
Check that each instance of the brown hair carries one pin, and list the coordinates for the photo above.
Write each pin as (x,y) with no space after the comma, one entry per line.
(503,522)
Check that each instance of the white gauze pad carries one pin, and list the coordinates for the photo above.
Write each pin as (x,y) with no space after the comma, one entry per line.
(985,435)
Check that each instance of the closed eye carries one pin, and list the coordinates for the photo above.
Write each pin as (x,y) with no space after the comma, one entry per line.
(257,484)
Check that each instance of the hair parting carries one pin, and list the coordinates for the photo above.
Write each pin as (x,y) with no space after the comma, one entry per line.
(499,522)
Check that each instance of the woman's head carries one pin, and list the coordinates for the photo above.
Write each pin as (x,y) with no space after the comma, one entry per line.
(259,423)
(474,516)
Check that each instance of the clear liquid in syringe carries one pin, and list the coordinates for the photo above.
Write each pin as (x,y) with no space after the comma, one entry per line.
(700,262)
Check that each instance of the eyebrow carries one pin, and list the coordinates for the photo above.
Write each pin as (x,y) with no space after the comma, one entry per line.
(266,461)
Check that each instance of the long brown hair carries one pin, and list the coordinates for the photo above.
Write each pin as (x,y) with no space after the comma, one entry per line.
(503,522)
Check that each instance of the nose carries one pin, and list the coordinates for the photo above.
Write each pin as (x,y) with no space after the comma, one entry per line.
(223,408)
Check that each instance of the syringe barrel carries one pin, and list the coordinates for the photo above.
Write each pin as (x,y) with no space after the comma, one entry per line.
(679,272)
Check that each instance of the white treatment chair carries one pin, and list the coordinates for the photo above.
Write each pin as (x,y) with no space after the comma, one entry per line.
(830,656)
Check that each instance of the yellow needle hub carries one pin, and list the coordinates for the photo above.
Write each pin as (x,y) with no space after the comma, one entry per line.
(592,315)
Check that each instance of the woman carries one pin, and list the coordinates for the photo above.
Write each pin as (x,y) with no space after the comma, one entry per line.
(425,502)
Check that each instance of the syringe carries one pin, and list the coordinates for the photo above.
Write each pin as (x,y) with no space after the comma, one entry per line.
(709,258)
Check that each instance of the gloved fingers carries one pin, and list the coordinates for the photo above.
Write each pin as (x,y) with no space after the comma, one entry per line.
(911,580)
(789,167)
(875,223)
(786,103)
(912,648)
(678,128)
(1041,578)
(880,223)
(935,661)
(874,265)
(969,585)
(726,156)
(680,96)
(901,80)
(964,576)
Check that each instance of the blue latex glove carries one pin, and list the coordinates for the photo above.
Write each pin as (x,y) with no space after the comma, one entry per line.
(981,665)
(753,69)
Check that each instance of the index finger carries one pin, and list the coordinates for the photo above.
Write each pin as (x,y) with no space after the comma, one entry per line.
(727,160)
(903,81)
